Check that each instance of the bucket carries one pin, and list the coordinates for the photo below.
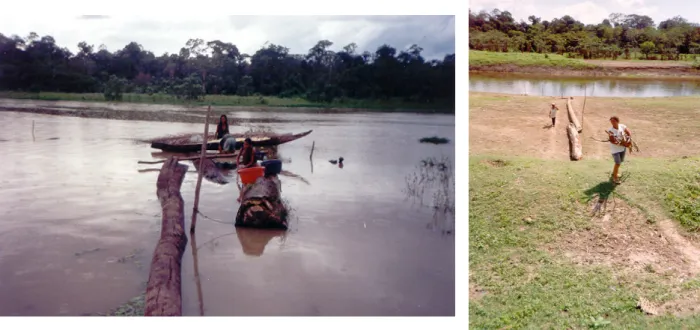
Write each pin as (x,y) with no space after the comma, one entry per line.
(272,166)
(249,175)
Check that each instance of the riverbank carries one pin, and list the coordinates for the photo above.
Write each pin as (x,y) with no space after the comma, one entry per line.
(553,244)
(558,65)
(245,103)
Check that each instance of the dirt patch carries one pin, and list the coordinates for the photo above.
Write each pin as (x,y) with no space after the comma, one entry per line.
(496,162)
(684,306)
(639,64)
(620,236)
(475,292)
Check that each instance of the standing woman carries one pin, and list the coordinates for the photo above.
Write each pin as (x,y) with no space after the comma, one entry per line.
(222,127)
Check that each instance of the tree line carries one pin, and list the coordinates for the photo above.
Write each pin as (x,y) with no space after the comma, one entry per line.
(617,36)
(38,64)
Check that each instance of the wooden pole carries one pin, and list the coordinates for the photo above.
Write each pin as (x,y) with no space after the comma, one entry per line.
(311,155)
(197,281)
(33,138)
(211,156)
(201,171)
(164,290)
(584,105)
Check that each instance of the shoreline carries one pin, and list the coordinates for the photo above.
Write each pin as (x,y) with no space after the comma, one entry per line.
(233,103)
(627,72)
(170,112)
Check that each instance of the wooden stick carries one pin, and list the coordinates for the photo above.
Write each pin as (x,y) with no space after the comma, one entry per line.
(312,150)
(197,281)
(584,105)
(164,290)
(311,155)
(201,171)
(210,156)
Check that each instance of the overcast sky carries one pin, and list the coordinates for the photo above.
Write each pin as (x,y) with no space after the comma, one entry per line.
(592,11)
(435,34)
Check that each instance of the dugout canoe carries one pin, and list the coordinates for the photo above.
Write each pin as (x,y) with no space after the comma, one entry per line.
(189,144)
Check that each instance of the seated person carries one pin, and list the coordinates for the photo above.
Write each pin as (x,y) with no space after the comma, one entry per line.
(246,158)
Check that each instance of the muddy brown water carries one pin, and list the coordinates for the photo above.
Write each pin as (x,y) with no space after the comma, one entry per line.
(78,221)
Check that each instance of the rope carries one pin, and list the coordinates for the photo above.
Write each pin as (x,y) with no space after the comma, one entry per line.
(211,219)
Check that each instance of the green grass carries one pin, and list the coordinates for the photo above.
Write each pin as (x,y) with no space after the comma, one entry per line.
(234,100)
(483,58)
(528,288)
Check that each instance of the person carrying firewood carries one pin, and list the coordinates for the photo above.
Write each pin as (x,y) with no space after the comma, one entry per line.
(620,139)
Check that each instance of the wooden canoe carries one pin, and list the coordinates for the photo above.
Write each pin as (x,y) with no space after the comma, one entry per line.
(181,145)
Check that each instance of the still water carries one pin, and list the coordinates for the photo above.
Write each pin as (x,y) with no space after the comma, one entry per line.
(559,86)
(79,219)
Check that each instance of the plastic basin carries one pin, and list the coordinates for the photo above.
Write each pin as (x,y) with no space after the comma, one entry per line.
(249,175)
(272,166)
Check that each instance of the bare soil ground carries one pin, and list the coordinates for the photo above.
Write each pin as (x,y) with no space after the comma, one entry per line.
(520,125)
(640,64)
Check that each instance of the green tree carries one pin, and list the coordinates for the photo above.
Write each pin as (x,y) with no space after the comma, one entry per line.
(647,48)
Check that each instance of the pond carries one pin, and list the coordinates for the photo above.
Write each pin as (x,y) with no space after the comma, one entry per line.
(580,86)
(79,220)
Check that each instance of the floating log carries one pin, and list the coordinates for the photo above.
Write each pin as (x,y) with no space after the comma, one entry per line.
(572,116)
(575,149)
(210,171)
(261,205)
(163,293)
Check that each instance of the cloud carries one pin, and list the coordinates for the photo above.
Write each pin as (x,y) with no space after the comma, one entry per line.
(93,17)
(588,12)
(435,34)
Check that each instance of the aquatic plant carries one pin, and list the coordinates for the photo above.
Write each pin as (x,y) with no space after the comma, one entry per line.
(436,177)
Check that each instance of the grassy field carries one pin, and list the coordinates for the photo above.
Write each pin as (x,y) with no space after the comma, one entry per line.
(483,58)
(554,245)
(233,100)
(539,259)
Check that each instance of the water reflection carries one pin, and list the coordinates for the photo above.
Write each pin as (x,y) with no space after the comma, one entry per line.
(580,86)
(254,241)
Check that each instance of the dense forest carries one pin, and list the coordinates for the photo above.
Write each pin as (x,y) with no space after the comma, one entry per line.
(38,64)
(618,36)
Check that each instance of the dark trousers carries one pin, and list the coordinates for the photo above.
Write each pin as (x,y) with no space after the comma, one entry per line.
(554,121)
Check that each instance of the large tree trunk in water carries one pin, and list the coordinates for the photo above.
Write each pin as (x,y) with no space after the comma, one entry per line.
(261,205)
(572,115)
(575,149)
(163,294)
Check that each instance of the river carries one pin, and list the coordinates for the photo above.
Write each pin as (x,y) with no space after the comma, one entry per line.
(580,86)
(79,220)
